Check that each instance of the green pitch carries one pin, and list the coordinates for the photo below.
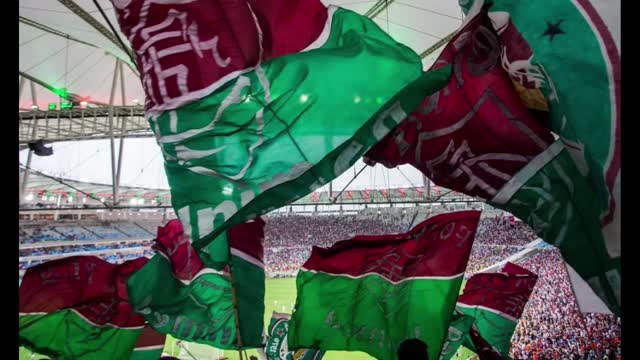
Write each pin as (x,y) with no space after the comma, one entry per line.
(281,297)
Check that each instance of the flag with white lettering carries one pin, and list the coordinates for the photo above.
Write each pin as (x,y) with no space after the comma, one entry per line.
(480,136)
(370,293)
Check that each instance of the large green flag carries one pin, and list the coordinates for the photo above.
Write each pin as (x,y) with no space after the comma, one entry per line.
(371,293)
(564,59)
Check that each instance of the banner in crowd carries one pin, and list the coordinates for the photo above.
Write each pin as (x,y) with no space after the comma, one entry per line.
(370,293)
(496,302)
(179,295)
(497,147)
(277,347)
(85,300)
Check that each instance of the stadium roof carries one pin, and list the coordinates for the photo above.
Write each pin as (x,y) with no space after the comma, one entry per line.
(68,49)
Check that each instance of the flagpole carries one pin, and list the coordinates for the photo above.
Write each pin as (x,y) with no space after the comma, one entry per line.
(235,310)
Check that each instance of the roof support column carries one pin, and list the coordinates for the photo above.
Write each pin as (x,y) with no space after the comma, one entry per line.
(122,132)
(34,99)
(20,87)
(426,187)
(113,149)
(25,176)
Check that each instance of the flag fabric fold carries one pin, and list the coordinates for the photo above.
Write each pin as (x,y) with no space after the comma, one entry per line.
(183,297)
(77,308)
(348,293)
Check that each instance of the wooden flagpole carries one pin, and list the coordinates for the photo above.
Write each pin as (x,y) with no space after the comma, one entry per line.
(235,310)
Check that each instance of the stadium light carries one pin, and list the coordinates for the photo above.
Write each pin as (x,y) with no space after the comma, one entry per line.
(136,102)
(29,197)
(34,107)
(84,200)
(83,104)
(133,201)
(101,199)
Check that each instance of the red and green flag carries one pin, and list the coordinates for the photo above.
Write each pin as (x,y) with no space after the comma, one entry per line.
(565,59)
(496,302)
(370,293)
(498,144)
(77,308)
(277,347)
(180,295)
(257,103)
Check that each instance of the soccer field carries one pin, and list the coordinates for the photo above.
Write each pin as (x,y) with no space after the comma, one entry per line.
(281,297)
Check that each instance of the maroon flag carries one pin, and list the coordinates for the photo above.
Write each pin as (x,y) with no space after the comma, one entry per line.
(228,37)
(475,134)
(92,287)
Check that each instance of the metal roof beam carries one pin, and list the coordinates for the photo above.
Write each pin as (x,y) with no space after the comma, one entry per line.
(377,8)
(442,42)
(68,97)
(50,30)
(89,19)
(53,31)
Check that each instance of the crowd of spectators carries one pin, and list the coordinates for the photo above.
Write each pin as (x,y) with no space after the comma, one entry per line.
(552,326)
(483,256)
(504,230)
(70,232)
